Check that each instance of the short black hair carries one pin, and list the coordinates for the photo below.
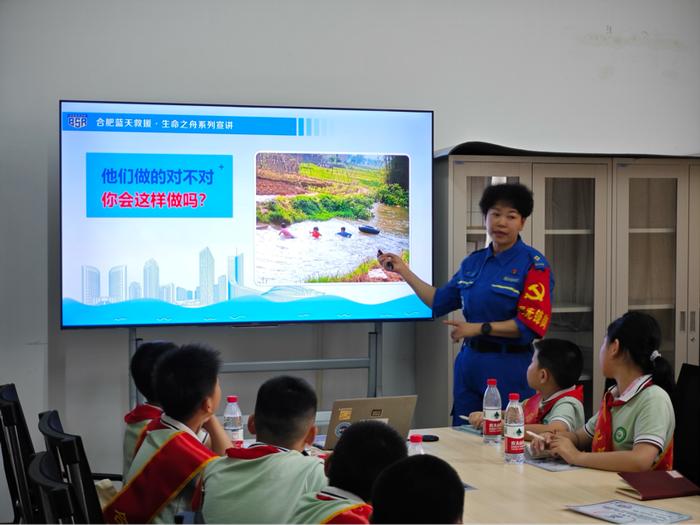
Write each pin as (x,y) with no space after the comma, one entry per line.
(562,358)
(362,452)
(418,489)
(283,408)
(184,377)
(142,363)
(516,195)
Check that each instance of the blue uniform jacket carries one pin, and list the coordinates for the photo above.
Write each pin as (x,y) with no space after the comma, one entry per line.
(488,287)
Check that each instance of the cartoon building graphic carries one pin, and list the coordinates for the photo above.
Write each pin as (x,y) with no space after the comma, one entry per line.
(151,280)
(206,277)
(90,277)
(117,284)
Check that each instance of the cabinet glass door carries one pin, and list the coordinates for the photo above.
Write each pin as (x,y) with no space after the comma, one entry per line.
(654,249)
(567,224)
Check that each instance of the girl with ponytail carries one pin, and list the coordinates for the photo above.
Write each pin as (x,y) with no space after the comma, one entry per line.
(633,430)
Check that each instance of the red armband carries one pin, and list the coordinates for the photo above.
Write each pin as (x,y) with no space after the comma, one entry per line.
(535,303)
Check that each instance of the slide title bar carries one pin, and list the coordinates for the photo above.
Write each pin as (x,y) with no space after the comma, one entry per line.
(203,124)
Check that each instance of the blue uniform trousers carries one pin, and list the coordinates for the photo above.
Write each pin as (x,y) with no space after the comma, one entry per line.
(473,368)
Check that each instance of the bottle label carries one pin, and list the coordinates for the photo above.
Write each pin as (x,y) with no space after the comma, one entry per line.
(492,422)
(515,439)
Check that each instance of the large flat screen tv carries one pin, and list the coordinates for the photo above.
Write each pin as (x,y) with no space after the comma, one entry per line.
(211,214)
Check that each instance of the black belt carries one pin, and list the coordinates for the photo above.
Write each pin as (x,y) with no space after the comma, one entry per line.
(482,345)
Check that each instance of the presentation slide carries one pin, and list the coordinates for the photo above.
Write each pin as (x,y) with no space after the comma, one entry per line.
(198,214)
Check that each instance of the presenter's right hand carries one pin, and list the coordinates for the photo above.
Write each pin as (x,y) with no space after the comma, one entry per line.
(396,263)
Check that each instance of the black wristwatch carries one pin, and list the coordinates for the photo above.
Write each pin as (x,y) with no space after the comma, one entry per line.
(485,328)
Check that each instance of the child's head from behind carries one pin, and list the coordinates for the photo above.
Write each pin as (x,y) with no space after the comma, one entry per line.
(285,411)
(555,363)
(362,452)
(186,381)
(143,363)
(633,341)
(418,489)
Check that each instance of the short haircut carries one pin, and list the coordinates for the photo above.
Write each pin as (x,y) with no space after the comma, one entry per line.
(418,489)
(142,363)
(284,408)
(362,452)
(562,358)
(184,377)
(517,196)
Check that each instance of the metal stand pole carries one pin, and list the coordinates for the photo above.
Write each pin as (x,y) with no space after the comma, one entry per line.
(374,351)
(134,395)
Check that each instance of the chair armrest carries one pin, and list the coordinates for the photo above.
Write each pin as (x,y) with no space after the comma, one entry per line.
(103,475)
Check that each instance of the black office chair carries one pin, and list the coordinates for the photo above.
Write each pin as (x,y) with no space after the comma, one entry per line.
(56,498)
(17,453)
(189,517)
(68,451)
(686,456)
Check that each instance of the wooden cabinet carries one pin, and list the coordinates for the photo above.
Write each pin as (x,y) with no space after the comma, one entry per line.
(569,228)
(655,249)
(619,234)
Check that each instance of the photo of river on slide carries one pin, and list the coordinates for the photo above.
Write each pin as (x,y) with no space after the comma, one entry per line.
(321,218)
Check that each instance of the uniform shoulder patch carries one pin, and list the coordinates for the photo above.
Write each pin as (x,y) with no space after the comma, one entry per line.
(538,260)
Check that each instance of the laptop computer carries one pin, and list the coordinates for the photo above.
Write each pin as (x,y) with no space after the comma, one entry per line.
(396,411)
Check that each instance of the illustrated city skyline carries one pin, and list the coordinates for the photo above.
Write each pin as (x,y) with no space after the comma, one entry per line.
(210,290)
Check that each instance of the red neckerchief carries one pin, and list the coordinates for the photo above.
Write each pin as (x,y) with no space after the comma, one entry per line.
(162,478)
(153,424)
(143,412)
(359,512)
(253,452)
(603,436)
(534,413)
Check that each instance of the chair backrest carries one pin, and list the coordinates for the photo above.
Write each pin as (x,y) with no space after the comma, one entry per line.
(17,453)
(57,500)
(686,455)
(68,451)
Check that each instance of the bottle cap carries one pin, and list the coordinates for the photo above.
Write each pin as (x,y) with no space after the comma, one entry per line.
(491,382)
(232,399)
(415,438)
(514,396)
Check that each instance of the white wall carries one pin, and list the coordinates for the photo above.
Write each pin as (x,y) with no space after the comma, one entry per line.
(575,76)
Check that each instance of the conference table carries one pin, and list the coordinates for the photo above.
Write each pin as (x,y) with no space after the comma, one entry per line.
(506,493)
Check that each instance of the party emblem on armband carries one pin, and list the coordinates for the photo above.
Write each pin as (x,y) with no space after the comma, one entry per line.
(535,292)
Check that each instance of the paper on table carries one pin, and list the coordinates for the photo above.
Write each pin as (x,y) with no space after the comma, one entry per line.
(618,511)
(550,463)
(469,429)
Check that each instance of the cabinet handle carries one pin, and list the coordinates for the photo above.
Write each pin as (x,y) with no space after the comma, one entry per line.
(692,321)
(682,322)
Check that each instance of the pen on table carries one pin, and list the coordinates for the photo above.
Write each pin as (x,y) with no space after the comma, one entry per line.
(536,436)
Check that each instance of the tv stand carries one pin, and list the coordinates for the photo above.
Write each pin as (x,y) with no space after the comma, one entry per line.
(372,363)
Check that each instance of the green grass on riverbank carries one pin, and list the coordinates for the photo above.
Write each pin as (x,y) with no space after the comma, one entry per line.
(318,207)
(356,274)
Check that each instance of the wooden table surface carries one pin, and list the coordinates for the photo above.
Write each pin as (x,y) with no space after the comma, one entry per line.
(527,494)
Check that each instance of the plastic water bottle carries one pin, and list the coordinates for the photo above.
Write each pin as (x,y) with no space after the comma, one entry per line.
(515,430)
(493,426)
(415,445)
(233,420)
